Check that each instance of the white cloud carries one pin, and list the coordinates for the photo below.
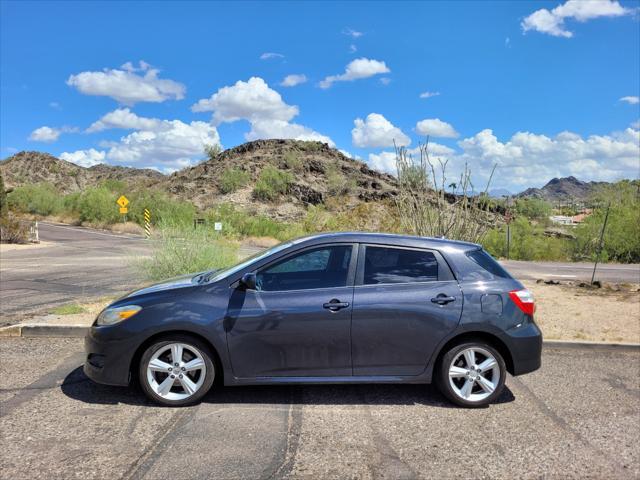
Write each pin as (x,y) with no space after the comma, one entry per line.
(631,100)
(429,94)
(529,159)
(125,119)
(84,158)
(261,106)
(293,80)
(45,134)
(55,105)
(636,125)
(352,33)
(383,162)
(270,56)
(553,22)
(353,48)
(386,161)
(282,129)
(355,70)
(128,85)
(377,131)
(49,134)
(251,100)
(435,127)
(385,80)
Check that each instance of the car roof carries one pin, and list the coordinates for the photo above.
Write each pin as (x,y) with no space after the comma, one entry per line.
(385,239)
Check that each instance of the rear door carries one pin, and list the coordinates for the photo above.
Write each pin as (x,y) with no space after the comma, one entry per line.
(405,301)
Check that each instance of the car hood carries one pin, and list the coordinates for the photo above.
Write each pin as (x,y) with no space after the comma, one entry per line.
(171,284)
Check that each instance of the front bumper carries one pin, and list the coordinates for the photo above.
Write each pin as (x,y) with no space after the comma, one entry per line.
(109,356)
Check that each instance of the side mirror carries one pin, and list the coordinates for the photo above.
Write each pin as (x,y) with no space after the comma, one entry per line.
(249,281)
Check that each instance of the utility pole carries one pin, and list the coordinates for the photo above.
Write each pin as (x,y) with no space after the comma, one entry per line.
(604,225)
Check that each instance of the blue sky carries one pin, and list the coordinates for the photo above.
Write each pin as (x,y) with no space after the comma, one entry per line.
(541,89)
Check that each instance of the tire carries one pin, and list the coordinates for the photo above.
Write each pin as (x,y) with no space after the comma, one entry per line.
(192,377)
(475,385)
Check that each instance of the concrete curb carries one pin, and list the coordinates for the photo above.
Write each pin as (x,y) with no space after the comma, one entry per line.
(590,345)
(40,330)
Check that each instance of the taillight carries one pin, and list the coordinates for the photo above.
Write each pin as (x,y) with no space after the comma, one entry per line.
(524,300)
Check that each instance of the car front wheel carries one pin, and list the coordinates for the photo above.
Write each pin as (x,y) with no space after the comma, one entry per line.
(472,374)
(176,371)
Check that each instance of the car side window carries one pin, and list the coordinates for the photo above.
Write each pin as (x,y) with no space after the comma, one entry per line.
(321,267)
(398,265)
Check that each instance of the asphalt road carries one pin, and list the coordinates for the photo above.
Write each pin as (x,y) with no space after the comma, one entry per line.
(576,417)
(74,264)
(77,264)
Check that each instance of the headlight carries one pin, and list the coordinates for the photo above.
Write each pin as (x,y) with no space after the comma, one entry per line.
(112,315)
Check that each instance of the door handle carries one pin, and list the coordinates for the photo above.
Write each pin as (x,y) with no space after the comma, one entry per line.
(443,299)
(334,305)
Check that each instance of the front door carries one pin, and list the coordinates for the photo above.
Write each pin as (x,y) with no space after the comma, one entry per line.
(297,321)
(405,301)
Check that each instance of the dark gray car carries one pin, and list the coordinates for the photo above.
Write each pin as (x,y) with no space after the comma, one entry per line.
(330,308)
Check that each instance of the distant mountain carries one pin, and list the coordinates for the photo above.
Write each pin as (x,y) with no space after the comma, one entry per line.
(563,190)
(38,167)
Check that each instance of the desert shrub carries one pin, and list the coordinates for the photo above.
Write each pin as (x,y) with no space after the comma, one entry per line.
(13,231)
(337,182)
(117,186)
(97,205)
(163,208)
(212,151)
(272,183)
(239,223)
(36,199)
(528,242)
(533,208)
(293,162)
(622,235)
(232,179)
(183,250)
(310,145)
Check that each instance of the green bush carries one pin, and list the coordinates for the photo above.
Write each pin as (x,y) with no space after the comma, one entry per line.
(163,209)
(528,242)
(97,205)
(183,250)
(293,162)
(272,183)
(337,182)
(622,235)
(37,199)
(232,179)
(533,208)
(238,223)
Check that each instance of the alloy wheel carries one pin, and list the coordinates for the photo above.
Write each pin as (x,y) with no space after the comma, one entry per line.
(176,371)
(474,374)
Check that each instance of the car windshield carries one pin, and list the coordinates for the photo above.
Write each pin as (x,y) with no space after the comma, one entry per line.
(225,272)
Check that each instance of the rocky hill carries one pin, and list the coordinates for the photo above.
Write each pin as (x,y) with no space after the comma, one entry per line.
(39,167)
(319,171)
(567,189)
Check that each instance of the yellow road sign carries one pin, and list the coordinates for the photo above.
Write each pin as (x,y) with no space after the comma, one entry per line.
(122,201)
(123,210)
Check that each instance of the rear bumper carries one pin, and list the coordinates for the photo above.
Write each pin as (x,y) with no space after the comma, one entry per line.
(108,359)
(525,345)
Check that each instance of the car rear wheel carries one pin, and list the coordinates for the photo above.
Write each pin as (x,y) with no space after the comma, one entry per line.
(472,374)
(177,370)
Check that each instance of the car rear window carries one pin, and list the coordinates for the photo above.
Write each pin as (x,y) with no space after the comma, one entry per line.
(398,265)
(487,262)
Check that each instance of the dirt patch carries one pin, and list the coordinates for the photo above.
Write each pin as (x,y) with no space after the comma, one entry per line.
(566,312)
(7,247)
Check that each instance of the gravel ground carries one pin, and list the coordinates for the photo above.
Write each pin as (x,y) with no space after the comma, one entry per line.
(575,313)
(576,417)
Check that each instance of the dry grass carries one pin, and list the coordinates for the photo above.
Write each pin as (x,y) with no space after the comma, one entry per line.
(129,227)
(574,313)
(261,242)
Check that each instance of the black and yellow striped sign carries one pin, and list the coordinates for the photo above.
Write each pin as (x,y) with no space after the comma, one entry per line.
(147,222)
